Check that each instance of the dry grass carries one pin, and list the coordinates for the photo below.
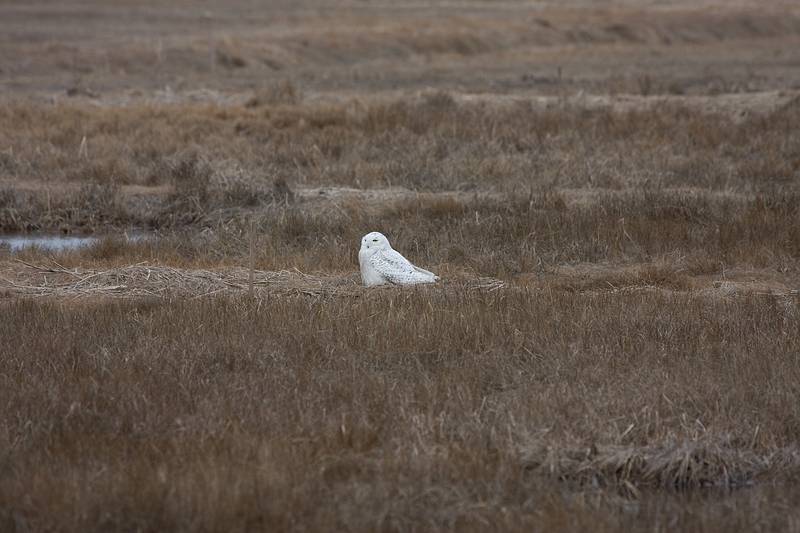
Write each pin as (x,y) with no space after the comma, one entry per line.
(431,143)
(597,356)
(401,409)
(152,281)
(689,233)
(570,185)
(93,48)
(609,191)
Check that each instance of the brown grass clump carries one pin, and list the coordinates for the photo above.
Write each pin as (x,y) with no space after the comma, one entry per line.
(84,208)
(284,92)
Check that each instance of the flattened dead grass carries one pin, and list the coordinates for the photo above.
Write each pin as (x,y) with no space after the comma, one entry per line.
(51,279)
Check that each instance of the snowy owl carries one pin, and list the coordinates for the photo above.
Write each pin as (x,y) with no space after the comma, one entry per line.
(380,264)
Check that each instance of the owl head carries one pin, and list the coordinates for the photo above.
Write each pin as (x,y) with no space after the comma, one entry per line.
(375,241)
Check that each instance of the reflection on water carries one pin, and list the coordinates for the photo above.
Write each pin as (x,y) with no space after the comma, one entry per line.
(56,243)
(767,507)
(762,507)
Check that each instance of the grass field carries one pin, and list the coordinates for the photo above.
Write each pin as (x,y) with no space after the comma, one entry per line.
(610,192)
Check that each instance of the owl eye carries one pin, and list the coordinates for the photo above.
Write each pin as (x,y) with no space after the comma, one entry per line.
(374,240)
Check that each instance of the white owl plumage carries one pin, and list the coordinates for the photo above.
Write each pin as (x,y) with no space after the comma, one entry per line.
(381,264)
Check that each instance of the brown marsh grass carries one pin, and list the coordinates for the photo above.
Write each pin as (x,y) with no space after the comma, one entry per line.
(413,409)
(92,49)
(429,143)
(688,234)
(421,409)
(538,188)
(627,176)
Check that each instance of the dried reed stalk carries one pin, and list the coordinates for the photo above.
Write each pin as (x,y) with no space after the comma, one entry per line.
(144,280)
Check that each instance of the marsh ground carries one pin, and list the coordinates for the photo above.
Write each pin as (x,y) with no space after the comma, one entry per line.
(609,191)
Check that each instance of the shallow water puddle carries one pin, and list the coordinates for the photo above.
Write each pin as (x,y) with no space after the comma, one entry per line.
(56,243)
(53,242)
